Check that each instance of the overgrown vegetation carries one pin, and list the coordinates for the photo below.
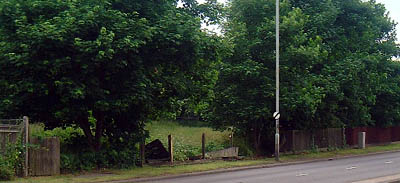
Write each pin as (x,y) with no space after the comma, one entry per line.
(77,156)
(12,160)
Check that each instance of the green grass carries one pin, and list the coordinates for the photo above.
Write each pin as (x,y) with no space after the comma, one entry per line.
(186,139)
(184,134)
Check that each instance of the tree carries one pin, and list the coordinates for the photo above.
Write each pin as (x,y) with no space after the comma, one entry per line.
(332,52)
(117,62)
(245,89)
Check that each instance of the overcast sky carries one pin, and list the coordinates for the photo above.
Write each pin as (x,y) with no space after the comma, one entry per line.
(393,6)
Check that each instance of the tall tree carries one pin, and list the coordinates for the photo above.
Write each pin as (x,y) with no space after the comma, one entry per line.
(115,61)
(332,57)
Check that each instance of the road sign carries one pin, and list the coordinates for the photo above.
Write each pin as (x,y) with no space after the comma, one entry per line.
(277,115)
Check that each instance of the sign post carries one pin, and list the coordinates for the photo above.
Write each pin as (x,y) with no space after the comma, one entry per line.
(276,114)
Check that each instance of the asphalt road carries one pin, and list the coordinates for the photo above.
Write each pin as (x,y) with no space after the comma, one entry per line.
(335,171)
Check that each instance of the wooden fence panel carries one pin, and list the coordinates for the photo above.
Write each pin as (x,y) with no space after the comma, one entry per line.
(300,140)
(335,137)
(6,138)
(44,159)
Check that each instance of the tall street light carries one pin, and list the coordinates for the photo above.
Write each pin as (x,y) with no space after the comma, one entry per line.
(276,114)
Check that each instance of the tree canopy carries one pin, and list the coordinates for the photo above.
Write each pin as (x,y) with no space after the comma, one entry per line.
(107,66)
(336,67)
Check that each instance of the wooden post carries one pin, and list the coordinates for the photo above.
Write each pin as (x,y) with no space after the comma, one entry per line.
(203,146)
(170,149)
(26,140)
(344,137)
(142,152)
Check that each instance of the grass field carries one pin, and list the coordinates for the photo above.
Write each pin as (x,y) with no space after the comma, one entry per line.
(187,137)
(184,133)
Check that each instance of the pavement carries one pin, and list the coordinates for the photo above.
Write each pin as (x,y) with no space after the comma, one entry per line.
(372,168)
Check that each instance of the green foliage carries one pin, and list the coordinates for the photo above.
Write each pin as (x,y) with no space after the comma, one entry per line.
(6,171)
(119,62)
(106,158)
(76,155)
(65,135)
(212,146)
(335,65)
(12,159)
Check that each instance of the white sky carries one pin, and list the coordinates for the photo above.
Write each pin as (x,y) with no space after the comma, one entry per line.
(393,6)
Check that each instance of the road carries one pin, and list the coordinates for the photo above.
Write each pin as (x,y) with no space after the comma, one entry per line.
(335,171)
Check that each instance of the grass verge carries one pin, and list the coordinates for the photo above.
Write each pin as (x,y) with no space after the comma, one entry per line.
(179,169)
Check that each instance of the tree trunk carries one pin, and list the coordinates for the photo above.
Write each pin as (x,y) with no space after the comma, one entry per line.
(94,140)
(84,124)
(99,115)
(257,142)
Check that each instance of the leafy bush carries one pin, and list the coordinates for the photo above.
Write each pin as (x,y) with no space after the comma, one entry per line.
(212,146)
(184,152)
(76,154)
(6,171)
(66,135)
(245,148)
(12,159)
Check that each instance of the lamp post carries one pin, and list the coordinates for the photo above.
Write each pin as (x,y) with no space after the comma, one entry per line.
(276,114)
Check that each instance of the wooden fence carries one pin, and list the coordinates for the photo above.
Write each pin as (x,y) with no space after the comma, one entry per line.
(374,135)
(300,140)
(44,159)
(10,131)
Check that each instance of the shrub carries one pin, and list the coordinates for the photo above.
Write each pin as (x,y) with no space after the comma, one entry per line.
(76,154)
(66,135)
(245,148)
(11,161)
(212,146)
(6,171)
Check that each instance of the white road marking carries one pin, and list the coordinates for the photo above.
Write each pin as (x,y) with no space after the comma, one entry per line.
(351,168)
(301,174)
(388,162)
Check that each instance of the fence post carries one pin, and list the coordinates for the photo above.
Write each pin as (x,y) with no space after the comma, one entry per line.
(203,145)
(142,152)
(170,149)
(26,140)
(344,137)
(361,140)
(232,138)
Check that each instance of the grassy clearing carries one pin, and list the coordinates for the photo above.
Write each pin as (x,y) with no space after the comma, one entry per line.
(179,169)
(186,138)
(184,134)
